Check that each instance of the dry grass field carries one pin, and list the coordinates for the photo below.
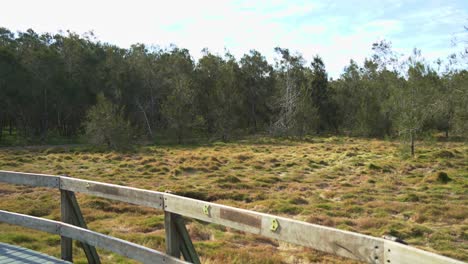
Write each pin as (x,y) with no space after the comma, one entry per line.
(362,185)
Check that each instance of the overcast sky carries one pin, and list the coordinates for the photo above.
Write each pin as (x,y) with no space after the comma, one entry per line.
(336,30)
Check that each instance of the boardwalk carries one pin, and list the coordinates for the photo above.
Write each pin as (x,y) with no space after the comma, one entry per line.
(73,227)
(14,255)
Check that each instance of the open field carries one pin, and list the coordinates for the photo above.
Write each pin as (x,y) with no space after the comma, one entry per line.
(360,185)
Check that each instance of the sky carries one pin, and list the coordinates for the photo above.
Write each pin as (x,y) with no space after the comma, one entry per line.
(337,30)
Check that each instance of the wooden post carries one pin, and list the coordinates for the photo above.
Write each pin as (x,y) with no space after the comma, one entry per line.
(78,220)
(66,217)
(186,245)
(172,238)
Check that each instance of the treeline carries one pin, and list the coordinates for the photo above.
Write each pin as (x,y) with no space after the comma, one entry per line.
(49,82)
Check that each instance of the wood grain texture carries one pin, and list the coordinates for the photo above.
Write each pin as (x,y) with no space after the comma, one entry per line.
(342,243)
(119,246)
(66,216)
(78,220)
(172,237)
(11,254)
(402,254)
(240,217)
(114,192)
(186,245)
(31,179)
(32,222)
(194,208)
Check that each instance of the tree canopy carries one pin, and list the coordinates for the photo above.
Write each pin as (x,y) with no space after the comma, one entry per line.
(50,82)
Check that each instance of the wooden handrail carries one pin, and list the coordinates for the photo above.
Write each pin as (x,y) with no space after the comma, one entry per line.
(338,242)
(122,247)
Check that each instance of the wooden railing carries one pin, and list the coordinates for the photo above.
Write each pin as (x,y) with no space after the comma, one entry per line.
(346,244)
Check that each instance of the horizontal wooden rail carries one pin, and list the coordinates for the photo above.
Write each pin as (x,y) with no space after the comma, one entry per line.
(114,192)
(31,179)
(119,246)
(335,241)
(342,243)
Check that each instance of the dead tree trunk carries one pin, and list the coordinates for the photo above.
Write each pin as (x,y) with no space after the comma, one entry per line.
(148,125)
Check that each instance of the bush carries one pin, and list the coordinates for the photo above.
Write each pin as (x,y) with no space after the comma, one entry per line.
(106,125)
(444,154)
(443,177)
(440,177)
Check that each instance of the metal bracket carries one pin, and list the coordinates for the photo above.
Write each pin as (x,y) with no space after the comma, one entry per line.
(206,209)
(58,183)
(161,202)
(274,225)
(58,229)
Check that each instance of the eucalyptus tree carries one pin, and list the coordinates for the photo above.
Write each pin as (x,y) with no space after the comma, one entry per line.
(79,58)
(346,90)
(106,124)
(414,103)
(179,107)
(458,93)
(258,82)
(10,79)
(290,80)
(49,81)
(207,76)
(227,93)
(306,116)
(320,94)
(44,66)
(144,93)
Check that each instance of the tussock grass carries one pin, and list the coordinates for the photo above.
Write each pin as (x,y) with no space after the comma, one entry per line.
(366,186)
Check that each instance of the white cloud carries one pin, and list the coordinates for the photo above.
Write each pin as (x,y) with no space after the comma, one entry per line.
(310,27)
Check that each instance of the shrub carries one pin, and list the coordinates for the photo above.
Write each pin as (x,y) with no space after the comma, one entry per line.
(410,197)
(374,167)
(444,154)
(106,125)
(443,177)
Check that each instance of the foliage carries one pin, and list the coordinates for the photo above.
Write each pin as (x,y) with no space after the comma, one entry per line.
(179,108)
(48,82)
(106,125)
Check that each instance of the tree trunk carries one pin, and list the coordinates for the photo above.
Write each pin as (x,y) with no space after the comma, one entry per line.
(412,143)
(446,133)
(254,117)
(45,115)
(148,126)
(1,129)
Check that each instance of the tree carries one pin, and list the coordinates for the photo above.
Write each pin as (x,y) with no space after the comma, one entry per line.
(106,125)
(227,103)
(258,81)
(346,90)
(44,66)
(49,82)
(75,89)
(414,102)
(179,107)
(290,79)
(307,117)
(320,95)
(217,93)
(145,94)
(459,102)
